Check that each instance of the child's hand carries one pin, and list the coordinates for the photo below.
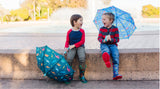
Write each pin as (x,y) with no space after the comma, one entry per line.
(66,49)
(104,41)
(65,52)
(71,46)
(108,38)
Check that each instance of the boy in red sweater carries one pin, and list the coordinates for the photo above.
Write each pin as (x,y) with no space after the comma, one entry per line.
(109,37)
(75,42)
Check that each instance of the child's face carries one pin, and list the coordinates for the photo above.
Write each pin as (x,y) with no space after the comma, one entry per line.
(106,21)
(79,23)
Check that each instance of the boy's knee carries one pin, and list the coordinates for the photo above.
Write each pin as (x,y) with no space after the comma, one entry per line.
(106,52)
(70,57)
(116,61)
(115,55)
(69,60)
(82,59)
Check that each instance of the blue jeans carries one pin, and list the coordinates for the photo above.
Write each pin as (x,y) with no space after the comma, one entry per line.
(112,50)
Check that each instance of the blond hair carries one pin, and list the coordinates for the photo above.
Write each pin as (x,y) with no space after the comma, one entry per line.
(110,16)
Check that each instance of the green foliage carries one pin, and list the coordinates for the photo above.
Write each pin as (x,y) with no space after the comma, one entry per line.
(23,13)
(19,14)
(42,17)
(55,4)
(44,12)
(26,12)
(106,2)
(150,11)
(7,18)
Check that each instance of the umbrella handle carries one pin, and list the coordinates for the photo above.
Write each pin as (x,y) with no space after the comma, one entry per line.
(43,76)
(66,51)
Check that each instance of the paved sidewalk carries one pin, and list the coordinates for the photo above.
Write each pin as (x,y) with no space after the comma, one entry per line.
(43,84)
(139,40)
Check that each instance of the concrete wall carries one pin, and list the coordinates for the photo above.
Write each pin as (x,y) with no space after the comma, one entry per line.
(135,64)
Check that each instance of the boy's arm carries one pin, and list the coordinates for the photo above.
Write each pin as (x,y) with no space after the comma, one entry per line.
(116,36)
(81,42)
(100,38)
(67,40)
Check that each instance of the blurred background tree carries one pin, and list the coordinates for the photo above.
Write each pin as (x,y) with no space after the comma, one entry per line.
(3,12)
(106,2)
(19,14)
(67,3)
(149,11)
(43,9)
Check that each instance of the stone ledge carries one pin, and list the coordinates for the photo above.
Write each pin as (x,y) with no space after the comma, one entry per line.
(134,65)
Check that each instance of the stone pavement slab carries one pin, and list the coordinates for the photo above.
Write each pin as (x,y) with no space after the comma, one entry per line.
(57,40)
(43,84)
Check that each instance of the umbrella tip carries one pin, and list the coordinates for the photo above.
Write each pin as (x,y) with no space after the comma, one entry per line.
(44,75)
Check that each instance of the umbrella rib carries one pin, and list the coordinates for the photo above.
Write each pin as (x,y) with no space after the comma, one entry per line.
(43,57)
(123,14)
(129,21)
(116,15)
(119,15)
(126,20)
(123,27)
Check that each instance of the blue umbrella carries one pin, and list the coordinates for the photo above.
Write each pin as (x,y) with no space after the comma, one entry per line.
(123,21)
(53,64)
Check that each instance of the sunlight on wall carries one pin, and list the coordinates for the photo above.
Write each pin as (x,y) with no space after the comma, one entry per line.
(16,72)
(22,58)
(6,65)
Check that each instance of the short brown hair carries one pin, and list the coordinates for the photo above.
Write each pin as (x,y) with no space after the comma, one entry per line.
(73,18)
(110,15)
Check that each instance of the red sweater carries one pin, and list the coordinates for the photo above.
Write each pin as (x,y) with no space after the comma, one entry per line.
(114,33)
(76,38)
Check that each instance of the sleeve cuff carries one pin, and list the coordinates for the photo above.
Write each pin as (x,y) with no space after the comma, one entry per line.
(76,46)
(112,40)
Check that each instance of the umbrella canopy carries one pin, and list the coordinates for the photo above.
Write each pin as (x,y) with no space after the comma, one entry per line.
(123,21)
(53,65)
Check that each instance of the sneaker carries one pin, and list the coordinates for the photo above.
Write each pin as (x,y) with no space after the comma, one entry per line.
(117,77)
